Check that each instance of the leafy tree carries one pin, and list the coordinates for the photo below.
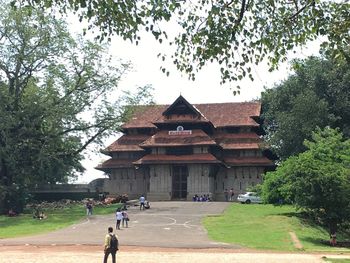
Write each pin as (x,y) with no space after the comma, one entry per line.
(57,97)
(317,180)
(236,34)
(317,94)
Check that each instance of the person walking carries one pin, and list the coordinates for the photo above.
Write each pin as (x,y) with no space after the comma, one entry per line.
(142,202)
(111,245)
(119,217)
(231,194)
(226,195)
(125,219)
(88,208)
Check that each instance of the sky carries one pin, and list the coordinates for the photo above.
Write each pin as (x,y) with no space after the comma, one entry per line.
(205,89)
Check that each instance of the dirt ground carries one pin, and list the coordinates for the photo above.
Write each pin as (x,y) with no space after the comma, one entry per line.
(130,254)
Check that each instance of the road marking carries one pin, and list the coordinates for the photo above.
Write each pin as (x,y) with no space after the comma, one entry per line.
(166,228)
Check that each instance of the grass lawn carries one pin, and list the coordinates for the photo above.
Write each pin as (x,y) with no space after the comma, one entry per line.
(266,227)
(336,260)
(24,224)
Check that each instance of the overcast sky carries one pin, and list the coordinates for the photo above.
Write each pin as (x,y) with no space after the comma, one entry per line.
(205,89)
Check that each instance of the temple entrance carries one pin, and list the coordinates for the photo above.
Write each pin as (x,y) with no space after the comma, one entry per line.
(179,182)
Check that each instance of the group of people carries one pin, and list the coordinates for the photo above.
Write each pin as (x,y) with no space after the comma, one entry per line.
(111,244)
(229,195)
(202,198)
(121,217)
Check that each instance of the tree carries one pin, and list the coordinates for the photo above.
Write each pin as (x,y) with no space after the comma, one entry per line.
(236,34)
(316,181)
(317,94)
(58,95)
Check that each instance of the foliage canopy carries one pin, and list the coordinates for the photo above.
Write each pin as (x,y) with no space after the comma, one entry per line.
(236,34)
(58,95)
(317,94)
(317,180)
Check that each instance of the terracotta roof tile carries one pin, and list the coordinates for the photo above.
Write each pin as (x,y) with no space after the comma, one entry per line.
(240,146)
(231,114)
(127,143)
(220,114)
(144,116)
(115,163)
(242,161)
(162,138)
(246,135)
(193,158)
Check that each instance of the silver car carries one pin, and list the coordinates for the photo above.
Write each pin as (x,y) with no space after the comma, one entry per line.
(249,197)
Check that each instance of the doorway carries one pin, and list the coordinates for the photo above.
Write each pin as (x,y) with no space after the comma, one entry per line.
(179,182)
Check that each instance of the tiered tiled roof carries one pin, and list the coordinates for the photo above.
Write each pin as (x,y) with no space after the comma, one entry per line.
(144,116)
(237,141)
(128,143)
(163,138)
(163,158)
(219,114)
(115,163)
(231,114)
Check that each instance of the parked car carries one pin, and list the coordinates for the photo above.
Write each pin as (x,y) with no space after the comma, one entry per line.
(249,197)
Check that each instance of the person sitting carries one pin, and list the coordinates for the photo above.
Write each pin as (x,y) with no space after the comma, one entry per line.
(147,205)
(39,215)
(12,213)
(42,216)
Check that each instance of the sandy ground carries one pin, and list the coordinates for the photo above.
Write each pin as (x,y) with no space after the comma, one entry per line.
(90,254)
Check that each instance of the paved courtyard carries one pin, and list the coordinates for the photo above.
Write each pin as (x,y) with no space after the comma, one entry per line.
(166,224)
(168,232)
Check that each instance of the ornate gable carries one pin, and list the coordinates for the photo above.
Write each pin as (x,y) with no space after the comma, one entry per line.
(181,107)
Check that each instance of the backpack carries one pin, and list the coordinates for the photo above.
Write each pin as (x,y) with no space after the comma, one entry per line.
(114,243)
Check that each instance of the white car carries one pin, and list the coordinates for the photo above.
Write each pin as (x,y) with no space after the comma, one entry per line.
(249,197)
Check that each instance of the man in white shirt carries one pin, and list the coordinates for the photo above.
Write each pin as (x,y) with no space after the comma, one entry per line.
(142,202)
(119,217)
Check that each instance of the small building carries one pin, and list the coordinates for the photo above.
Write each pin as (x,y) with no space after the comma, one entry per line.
(173,152)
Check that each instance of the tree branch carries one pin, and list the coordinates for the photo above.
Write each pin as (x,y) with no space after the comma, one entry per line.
(241,13)
(292,17)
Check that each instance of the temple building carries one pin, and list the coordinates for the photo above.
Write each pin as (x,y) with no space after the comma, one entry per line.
(173,152)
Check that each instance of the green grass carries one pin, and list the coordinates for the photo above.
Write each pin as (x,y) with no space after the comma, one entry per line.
(24,224)
(266,227)
(337,260)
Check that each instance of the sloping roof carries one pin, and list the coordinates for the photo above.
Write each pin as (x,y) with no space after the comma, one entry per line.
(248,161)
(127,143)
(162,138)
(240,146)
(231,114)
(238,141)
(144,116)
(236,136)
(163,158)
(115,163)
(219,114)
(181,101)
